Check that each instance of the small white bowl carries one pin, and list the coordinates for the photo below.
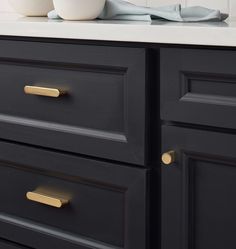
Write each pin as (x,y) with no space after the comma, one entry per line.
(79,9)
(32,7)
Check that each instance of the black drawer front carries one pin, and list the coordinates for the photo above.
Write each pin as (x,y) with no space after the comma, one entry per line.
(107,203)
(198,86)
(103,112)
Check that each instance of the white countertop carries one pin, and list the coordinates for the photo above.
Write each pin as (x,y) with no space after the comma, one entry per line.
(215,34)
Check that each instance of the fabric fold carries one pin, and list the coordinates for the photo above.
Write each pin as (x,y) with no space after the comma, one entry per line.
(122,10)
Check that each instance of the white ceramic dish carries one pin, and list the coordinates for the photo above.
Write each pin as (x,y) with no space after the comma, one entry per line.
(32,7)
(79,9)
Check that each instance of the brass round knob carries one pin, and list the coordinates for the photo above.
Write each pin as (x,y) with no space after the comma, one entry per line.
(168,157)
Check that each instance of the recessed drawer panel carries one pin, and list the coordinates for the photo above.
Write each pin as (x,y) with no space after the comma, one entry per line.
(101,109)
(84,202)
(198,86)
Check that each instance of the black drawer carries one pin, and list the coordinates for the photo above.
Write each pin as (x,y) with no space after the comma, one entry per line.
(102,113)
(106,203)
(198,86)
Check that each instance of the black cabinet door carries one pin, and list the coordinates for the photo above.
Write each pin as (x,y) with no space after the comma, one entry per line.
(199,190)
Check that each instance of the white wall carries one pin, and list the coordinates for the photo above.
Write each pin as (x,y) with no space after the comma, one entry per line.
(4,6)
(228,6)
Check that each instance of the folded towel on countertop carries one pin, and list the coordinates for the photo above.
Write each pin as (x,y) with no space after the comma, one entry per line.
(122,10)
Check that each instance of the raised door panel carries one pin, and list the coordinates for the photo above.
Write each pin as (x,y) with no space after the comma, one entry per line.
(198,190)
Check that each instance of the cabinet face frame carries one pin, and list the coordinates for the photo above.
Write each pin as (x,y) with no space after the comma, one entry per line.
(195,150)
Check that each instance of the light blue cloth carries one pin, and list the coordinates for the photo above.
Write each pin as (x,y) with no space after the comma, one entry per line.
(122,10)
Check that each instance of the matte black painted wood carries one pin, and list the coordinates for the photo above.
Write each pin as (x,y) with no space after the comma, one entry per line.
(114,114)
(10,245)
(107,202)
(198,190)
(103,114)
(198,86)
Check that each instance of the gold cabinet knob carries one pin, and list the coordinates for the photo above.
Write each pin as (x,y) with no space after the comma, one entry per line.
(168,157)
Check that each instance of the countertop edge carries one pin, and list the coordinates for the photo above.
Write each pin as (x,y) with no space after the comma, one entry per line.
(162,32)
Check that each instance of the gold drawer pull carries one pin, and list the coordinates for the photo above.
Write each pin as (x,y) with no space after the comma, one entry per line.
(168,157)
(47,200)
(43,91)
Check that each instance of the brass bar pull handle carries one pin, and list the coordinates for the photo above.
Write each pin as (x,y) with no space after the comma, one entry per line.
(44,91)
(168,157)
(47,200)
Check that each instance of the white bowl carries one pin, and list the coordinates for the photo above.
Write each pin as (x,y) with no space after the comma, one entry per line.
(32,7)
(79,9)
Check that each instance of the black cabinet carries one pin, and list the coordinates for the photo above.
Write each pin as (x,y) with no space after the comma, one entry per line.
(198,144)
(72,170)
(88,148)
(198,189)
